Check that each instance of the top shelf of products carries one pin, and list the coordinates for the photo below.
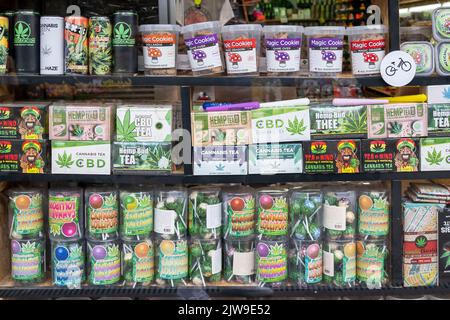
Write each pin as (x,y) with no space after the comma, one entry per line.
(261,81)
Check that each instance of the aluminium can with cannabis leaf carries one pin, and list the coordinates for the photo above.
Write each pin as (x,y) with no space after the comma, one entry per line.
(11,55)
(4,44)
(26,41)
(100,46)
(76,45)
(125,32)
(52,45)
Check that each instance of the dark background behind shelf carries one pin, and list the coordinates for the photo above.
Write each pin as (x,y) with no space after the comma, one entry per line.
(147,9)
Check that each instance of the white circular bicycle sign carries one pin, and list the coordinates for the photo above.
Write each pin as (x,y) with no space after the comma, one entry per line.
(398,69)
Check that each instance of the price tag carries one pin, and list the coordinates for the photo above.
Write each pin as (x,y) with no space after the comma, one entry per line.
(398,69)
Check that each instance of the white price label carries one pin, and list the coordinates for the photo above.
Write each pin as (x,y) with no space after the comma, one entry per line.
(214,216)
(328,263)
(165,221)
(334,217)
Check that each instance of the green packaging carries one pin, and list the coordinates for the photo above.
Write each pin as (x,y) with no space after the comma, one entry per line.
(142,157)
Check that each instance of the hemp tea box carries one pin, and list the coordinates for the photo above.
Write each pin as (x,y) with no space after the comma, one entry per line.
(399,155)
(334,121)
(275,158)
(438,119)
(81,157)
(220,160)
(24,156)
(397,120)
(144,123)
(435,154)
(23,121)
(80,122)
(228,128)
(331,156)
(142,157)
(280,124)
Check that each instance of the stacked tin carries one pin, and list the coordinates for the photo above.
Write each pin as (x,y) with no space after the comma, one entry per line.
(171,243)
(27,234)
(239,234)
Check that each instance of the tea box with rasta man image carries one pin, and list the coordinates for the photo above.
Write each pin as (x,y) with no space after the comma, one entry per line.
(347,161)
(406,159)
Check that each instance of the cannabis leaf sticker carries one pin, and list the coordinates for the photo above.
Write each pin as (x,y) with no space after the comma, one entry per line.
(434,157)
(421,241)
(220,167)
(122,31)
(296,127)
(125,129)
(65,160)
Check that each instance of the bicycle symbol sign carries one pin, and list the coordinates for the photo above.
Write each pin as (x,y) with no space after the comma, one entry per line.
(398,68)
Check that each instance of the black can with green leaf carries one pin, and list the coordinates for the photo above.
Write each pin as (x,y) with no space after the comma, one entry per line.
(26,41)
(125,31)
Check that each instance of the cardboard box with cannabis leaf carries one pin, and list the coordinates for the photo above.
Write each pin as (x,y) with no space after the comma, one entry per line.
(338,122)
(81,157)
(284,124)
(435,154)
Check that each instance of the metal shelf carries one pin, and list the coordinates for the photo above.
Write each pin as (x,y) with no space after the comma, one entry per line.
(245,179)
(217,291)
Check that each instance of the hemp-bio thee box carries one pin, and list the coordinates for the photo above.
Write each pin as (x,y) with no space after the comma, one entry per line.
(220,160)
(144,123)
(81,157)
(224,128)
(275,158)
(142,157)
(335,122)
(281,124)
(80,121)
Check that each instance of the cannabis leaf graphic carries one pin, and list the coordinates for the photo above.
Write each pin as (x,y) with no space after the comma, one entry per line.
(395,128)
(446,93)
(355,122)
(421,241)
(65,160)
(55,229)
(434,157)
(220,167)
(125,129)
(22,30)
(122,31)
(446,254)
(296,127)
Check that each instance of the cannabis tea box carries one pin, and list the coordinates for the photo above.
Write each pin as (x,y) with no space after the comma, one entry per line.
(221,128)
(438,94)
(335,122)
(397,120)
(435,154)
(220,160)
(80,122)
(24,156)
(399,155)
(275,158)
(142,157)
(23,121)
(444,244)
(438,119)
(144,123)
(281,124)
(81,157)
(331,156)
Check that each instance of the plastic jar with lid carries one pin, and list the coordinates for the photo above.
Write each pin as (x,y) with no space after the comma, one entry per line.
(423,54)
(241,43)
(204,47)
(325,49)
(367,46)
(160,47)
(283,49)
(442,58)
(441,24)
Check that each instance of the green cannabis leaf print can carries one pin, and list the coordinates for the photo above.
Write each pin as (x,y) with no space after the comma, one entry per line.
(125,29)
(100,46)
(26,42)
